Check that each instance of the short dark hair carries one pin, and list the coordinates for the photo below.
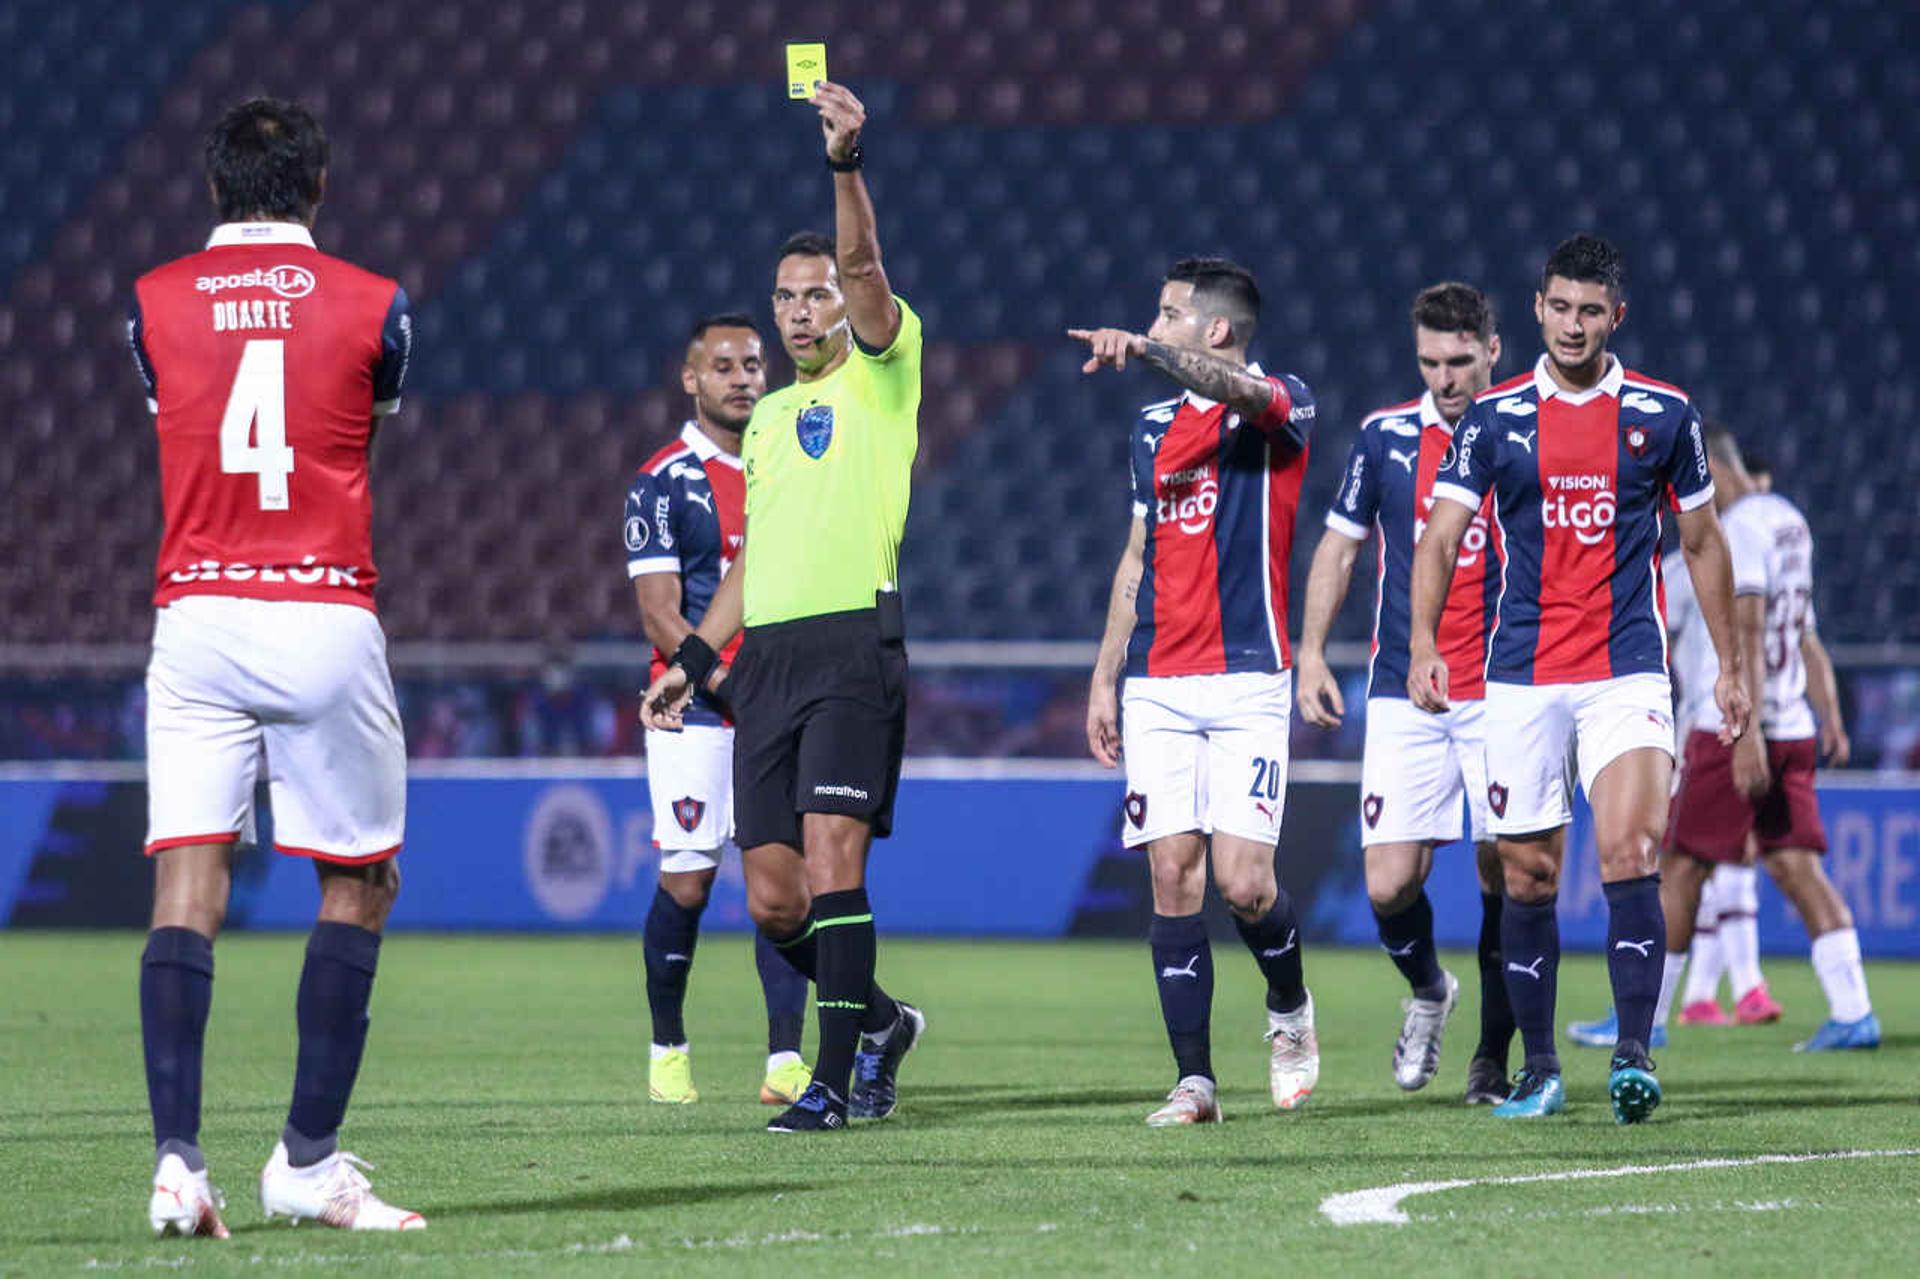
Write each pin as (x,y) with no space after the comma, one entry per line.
(723,320)
(268,159)
(1757,464)
(809,244)
(1452,307)
(1586,259)
(1721,443)
(1221,287)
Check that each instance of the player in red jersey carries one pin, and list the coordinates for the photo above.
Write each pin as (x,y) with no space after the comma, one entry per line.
(267,365)
(1419,767)
(1198,621)
(1581,455)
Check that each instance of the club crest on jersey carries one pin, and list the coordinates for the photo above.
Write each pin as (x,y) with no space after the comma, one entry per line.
(1637,441)
(1370,809)
(636,532)
(814,426)
(1136,809)
(1497,799)
(688,811)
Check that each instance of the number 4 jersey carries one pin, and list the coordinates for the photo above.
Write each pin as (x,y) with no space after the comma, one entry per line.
(266,364)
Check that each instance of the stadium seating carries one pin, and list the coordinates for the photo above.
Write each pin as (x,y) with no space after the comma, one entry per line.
(564,188)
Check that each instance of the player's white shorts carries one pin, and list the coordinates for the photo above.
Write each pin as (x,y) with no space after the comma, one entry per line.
(309,684)
(690,777)
(1416,768)
(1206,753)
(1538,734)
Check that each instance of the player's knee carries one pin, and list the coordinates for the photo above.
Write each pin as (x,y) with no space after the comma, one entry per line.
(778,911)
(359,895)
(1178,885)
(690,889)
(1630,854)
(1529,876)
(1247,894)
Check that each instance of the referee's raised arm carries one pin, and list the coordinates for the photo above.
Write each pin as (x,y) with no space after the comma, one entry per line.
(871,310)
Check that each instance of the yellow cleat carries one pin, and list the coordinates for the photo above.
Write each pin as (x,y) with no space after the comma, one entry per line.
(784,1084)
(670,1079)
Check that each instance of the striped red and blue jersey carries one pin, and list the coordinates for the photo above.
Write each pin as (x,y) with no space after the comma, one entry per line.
(686,514)
(1388,486)
(1579,480)
(1218,496)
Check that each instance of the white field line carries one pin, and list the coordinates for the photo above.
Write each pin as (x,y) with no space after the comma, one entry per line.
(1380,1206)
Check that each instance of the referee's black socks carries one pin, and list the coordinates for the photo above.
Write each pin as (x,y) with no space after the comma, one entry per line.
(844,941)
(802,950)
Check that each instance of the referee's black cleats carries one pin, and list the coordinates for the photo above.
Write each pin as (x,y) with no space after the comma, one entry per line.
(876,1066)
(819,1109)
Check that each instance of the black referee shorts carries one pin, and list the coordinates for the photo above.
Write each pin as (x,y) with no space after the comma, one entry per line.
(820,714)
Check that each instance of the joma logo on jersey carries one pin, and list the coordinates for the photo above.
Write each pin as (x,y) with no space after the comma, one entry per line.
(287,281)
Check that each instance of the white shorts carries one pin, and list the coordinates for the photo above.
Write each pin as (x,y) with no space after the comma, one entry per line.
(1416,769)
(1206,753)
(690,778)
(304,684)
(1538,734)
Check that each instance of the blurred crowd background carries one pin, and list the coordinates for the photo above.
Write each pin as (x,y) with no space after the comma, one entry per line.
(564,186)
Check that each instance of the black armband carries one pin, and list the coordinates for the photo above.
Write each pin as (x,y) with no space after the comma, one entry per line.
(696,657)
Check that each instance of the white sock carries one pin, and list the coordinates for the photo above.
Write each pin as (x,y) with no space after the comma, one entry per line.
(1739,935)
(777,1060)
(1669,982)
(1705,964)
(1836,960)
(657,1051)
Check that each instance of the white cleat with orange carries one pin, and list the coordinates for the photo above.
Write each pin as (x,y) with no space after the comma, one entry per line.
(183,1203)
(333,1192)
(1192,1101)
(1295,1067)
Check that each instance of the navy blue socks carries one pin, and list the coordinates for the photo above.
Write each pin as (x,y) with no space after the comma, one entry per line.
(176,993)
(335,987)
(1530,944)
(1183,971)
(1496,1010)
(1407,938)
(1636,953)
(667,942)
(1274,939)
(786,990)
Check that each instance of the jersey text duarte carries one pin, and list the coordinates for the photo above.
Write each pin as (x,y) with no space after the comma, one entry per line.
(686,514)
(1579,480)
(265,363)
(1218,496)
(1388,485)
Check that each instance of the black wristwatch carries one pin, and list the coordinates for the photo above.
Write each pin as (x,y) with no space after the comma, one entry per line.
(851,164)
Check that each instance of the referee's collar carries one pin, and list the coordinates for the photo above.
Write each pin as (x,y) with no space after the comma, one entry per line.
(703,446)
(1202,403)
(228,234)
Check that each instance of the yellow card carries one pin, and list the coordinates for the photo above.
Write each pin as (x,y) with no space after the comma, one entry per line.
(806,66)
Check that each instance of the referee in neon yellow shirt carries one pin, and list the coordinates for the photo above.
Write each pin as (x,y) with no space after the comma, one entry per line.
(818,690)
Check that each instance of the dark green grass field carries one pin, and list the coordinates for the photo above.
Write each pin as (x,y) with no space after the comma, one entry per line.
(504,1096)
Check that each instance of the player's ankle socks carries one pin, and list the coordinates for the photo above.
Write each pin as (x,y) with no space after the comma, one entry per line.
(667,941)
(335,986)
(1671,970)
(785,988)
(1408,940)
(176,993)
(1636,953)
(882,1015)
(304,1151)
(843,924)
(1836,961)
(1496,1010)
(1183,971)
(1530,946)
(802,949)
(189,1153)
(1274,939)
(1739,933)
(1704,965)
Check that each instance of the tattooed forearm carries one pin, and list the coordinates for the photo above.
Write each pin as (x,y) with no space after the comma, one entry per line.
(1245,393)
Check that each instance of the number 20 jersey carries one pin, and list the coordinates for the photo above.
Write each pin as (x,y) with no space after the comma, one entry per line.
(266,363)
